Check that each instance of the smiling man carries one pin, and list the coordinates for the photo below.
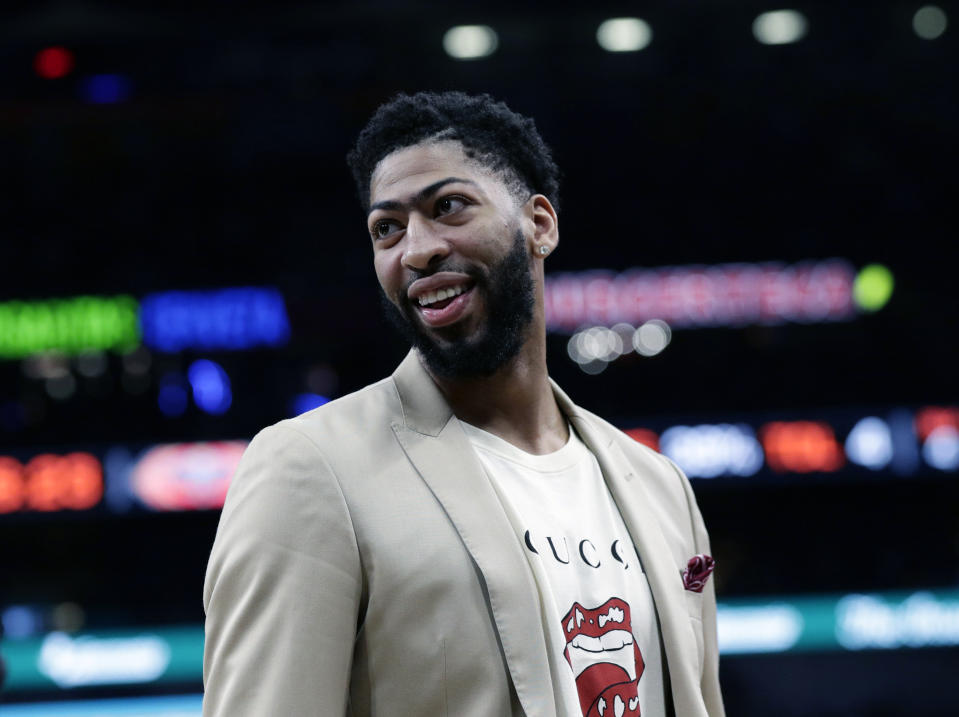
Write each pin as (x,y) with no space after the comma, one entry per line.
(459,538)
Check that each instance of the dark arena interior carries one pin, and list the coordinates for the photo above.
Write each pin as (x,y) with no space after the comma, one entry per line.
(752,278)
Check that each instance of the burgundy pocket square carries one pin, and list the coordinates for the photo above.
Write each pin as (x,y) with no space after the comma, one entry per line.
(697,572)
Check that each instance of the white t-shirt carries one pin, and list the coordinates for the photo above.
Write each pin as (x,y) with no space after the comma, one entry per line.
(602,635)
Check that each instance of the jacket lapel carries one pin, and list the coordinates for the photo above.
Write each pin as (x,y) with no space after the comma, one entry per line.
(438,448)
(664,579)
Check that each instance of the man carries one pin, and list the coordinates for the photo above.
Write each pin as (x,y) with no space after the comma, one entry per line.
(459,538)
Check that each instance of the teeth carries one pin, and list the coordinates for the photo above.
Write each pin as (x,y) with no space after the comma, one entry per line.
(616,639)
(619,707)
(613,640)
(585,642)
(440,294)
(615,614)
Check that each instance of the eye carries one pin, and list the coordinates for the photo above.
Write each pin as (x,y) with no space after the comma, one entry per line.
(450,204)
(383,228)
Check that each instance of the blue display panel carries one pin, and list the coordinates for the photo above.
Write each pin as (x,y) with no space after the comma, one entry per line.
(167,706)
(223,319)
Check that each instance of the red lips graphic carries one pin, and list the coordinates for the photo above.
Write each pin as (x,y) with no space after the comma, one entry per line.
(605,659)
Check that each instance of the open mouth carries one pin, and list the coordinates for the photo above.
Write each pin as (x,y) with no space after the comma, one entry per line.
(444,306)
(441,298)
(604,657)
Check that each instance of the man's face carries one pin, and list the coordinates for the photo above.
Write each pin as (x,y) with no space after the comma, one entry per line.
(451,258)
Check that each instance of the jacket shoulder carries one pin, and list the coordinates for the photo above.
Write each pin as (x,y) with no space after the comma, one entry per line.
(360,415)
(665,485)
(633,449)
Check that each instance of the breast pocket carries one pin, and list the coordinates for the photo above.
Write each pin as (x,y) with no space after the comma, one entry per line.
(694,608)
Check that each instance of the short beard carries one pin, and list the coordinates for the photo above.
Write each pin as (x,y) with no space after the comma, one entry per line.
(510,298)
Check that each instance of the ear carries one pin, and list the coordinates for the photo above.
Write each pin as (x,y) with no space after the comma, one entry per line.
(545,225)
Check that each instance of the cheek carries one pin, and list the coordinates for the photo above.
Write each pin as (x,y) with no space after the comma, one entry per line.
(388,273)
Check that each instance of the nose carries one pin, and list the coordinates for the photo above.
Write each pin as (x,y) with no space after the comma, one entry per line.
(424,246)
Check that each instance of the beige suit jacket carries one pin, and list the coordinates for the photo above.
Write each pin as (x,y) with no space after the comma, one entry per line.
(364,565)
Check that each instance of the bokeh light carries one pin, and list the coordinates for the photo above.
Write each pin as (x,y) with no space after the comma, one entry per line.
(873,287)
(652,337)
(470,42)
(780,27)
(624,34)
(211,386)
(105,89)
(304,402)
(52,63)
(929,22)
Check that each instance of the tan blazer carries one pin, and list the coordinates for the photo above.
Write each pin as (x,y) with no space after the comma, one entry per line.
(364,565)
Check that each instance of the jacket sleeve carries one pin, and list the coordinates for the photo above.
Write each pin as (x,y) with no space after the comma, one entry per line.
(283,586)
(712,695)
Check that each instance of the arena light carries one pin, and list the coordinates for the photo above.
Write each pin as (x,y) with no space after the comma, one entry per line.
(225,319)
(105,89)
(708,451)
(624,34)
(52,63)
(923,619)
(873,287)
(758,629)
(305,402)
(801,447)
(929,418)
(156,706)
(652,337)
(595,343)
(78,662)
(50,482)
(178,476)
(470,42)
(211,386)
(941,448)
(69,326)
(20,621)
(780,27)
(929,22)
(869,443)
(693,296)
(938,429)
(644,436)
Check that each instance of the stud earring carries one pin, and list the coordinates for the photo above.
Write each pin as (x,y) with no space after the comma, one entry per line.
(544,250)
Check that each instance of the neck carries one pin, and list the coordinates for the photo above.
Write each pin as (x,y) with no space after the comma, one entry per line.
(516,403)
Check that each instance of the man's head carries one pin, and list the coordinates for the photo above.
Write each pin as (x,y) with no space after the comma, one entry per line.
(489,132)
(459,221)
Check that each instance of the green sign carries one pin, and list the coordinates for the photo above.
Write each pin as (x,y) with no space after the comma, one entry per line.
(70,326)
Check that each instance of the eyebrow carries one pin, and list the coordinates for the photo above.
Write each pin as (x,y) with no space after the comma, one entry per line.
(423,194)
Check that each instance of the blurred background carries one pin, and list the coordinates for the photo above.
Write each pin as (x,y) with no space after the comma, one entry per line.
(753,278)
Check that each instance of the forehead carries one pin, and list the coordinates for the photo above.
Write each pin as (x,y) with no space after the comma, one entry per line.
(406,170)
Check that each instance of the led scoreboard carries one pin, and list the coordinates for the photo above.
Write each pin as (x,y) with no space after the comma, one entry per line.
(50,482)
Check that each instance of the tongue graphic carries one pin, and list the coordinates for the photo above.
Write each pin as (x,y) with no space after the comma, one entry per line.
(595,680)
